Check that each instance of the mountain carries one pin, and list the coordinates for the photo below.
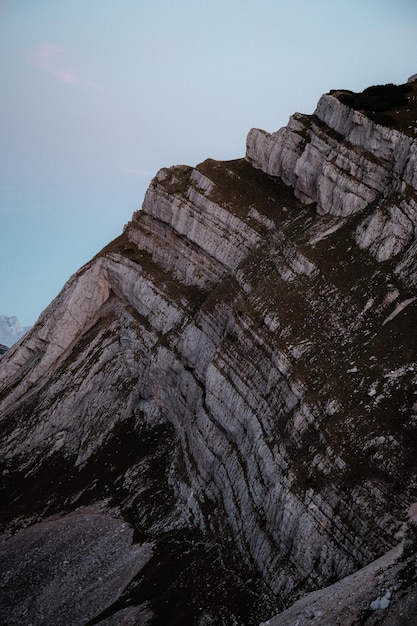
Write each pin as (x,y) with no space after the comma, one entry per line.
(215,420)
(11,330)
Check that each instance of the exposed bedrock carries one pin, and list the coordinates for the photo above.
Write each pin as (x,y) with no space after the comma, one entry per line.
(336,157)
(235,375)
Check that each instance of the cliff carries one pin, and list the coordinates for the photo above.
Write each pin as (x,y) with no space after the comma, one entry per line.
(217,414)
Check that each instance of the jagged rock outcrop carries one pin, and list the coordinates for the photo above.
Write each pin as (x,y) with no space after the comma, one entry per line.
(234,377)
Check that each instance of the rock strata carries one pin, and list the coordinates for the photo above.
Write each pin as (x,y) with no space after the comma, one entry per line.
(232,381)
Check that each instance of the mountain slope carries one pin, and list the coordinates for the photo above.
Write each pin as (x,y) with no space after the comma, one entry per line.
(229,387)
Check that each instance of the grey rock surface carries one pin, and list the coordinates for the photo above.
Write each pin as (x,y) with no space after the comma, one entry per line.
(68,569)
(235,376)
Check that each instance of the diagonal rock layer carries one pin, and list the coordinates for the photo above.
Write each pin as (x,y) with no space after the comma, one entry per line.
(226,393)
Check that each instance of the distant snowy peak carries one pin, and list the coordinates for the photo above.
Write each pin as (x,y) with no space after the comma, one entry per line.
(11,330)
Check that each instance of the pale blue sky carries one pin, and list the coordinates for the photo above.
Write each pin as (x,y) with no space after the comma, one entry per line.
(97,95)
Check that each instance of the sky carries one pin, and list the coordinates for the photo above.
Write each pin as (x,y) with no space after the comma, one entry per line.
(98,95)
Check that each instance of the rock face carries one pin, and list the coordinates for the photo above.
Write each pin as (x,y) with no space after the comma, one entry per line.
(230,386)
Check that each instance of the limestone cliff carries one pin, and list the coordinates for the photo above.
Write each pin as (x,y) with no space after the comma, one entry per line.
(228,388)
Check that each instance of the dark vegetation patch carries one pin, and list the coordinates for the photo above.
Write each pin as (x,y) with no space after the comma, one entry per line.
(388,105)
(239,186)
(371,347)
(349,353)
(378,98)
(176,181)
(44,484)
(355,365)
(190,575)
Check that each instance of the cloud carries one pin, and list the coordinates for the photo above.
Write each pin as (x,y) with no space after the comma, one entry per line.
(52,59)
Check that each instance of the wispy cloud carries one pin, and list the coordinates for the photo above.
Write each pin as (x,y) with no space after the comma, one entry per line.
(52,59)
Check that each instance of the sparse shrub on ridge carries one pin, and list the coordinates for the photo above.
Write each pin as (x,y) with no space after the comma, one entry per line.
(377,99)
(381,118)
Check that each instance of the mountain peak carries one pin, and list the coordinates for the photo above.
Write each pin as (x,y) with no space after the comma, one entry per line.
(216,415)
(11,329)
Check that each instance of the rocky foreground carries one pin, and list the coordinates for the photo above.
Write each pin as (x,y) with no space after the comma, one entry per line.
(215,421)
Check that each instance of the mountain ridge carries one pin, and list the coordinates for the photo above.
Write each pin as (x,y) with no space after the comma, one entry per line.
(234,374)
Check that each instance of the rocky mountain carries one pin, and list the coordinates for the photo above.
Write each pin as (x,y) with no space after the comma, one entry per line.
(11,330)
(215,421)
